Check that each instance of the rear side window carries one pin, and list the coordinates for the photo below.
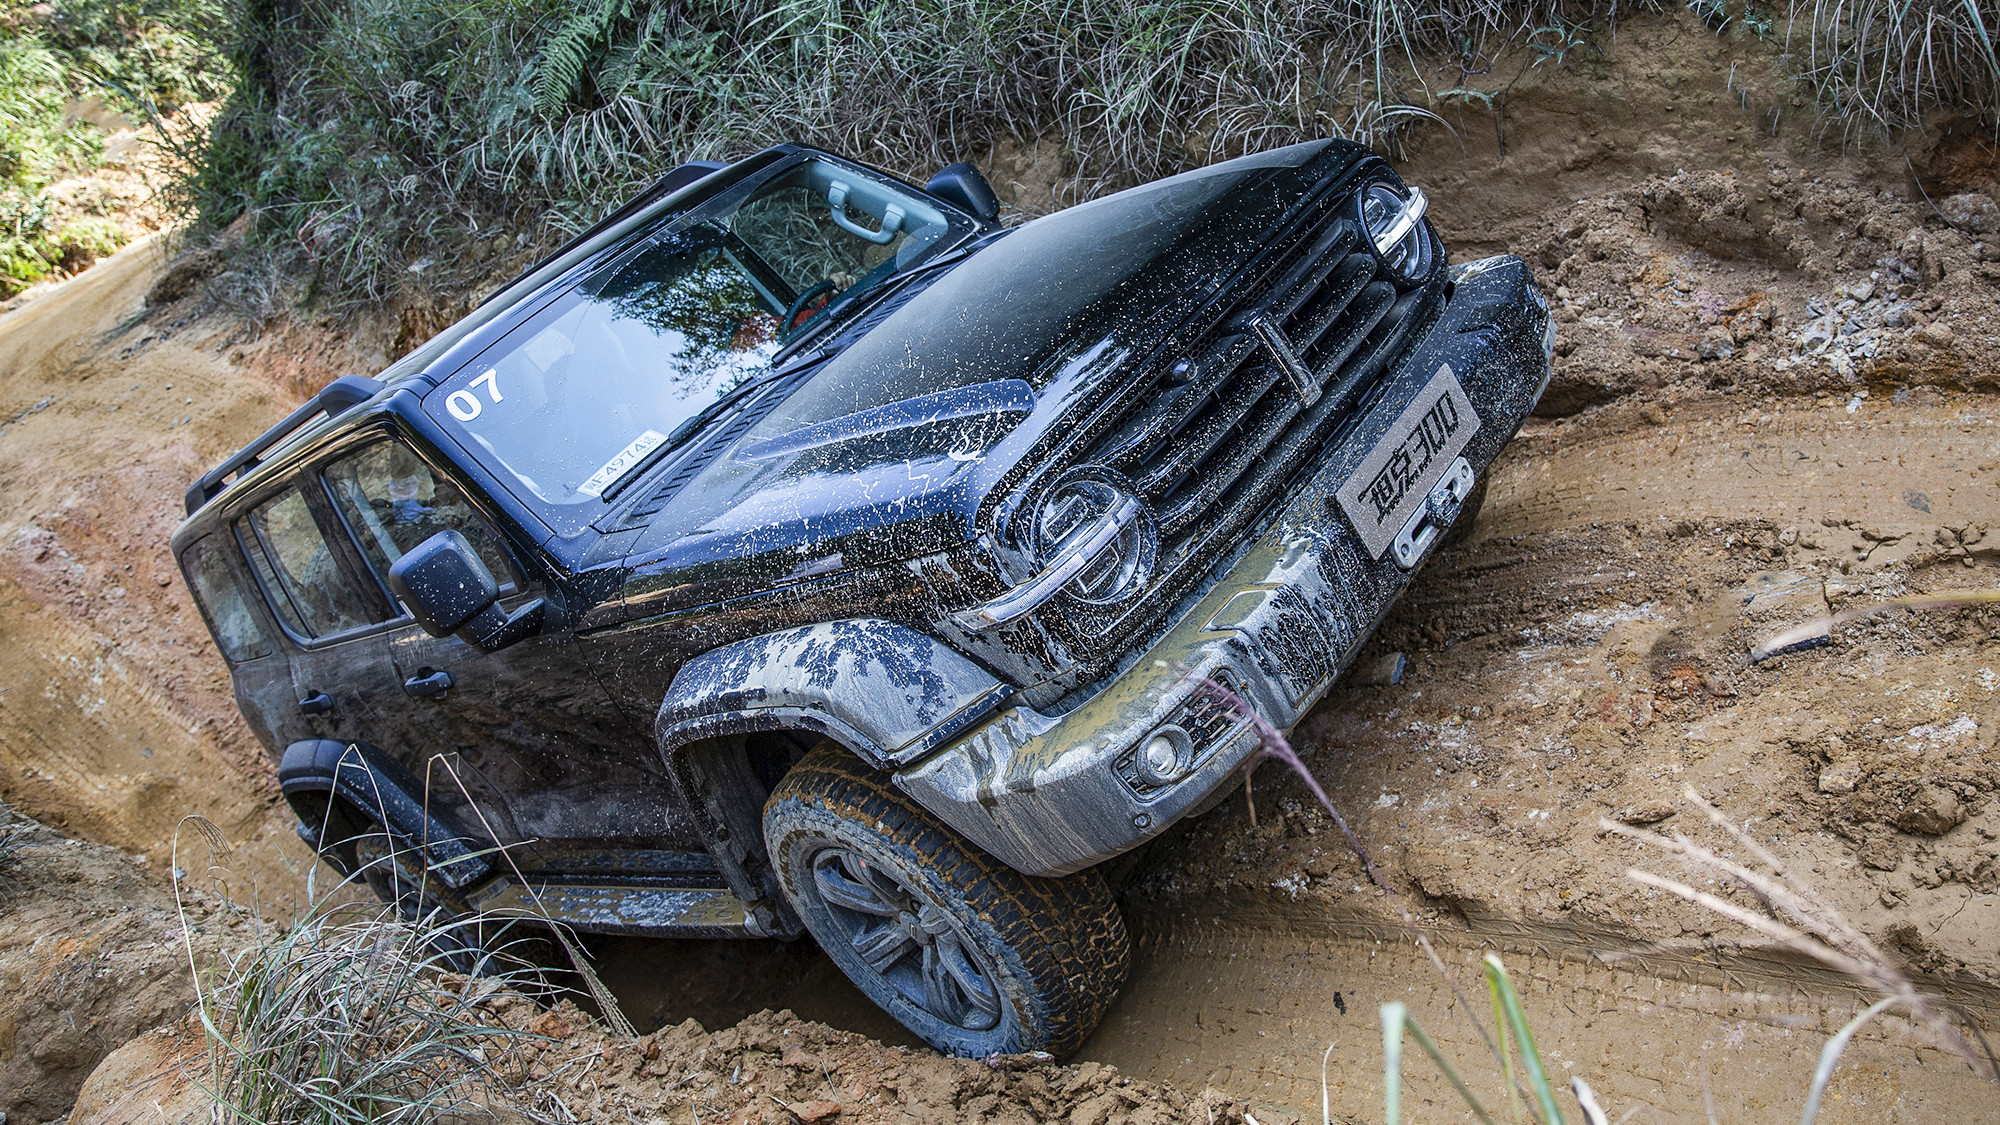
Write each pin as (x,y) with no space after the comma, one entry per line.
(307,587)
(392,502)
(220,597)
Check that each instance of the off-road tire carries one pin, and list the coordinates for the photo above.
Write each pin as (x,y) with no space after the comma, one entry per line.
(1056,949)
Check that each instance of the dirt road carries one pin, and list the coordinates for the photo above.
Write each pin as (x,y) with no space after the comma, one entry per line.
(1774,397)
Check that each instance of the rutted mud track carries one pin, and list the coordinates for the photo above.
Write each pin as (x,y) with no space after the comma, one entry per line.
(1245,1000)
(1750,441)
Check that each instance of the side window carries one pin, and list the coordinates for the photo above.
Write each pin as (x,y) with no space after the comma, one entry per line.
(393,502)
(306,585)
(216,591)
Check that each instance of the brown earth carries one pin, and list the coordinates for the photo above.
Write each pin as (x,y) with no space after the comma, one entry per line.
(1774,397)
(92,953)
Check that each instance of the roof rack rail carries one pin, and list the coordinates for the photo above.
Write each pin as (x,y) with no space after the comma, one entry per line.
(334,399)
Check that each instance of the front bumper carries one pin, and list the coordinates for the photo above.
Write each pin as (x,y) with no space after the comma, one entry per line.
(1049,795)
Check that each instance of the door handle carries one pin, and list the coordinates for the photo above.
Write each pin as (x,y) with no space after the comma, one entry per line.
(318,703)
(428,683)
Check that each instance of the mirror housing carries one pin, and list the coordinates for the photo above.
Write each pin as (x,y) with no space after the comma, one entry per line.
(450,592)
(963,187)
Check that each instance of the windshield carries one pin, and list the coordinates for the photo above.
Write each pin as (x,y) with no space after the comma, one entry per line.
(994,316)
(587,389)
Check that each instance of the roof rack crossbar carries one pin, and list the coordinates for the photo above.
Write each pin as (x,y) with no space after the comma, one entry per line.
(334,399)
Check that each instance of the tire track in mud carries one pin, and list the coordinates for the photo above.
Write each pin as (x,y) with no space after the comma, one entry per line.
(1246,996)
(1926,461)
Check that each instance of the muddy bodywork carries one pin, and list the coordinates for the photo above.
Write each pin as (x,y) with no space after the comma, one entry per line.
(1054,794)
(1222,352)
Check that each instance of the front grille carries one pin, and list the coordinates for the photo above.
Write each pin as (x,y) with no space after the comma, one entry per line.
(1188,446)
(1210,449)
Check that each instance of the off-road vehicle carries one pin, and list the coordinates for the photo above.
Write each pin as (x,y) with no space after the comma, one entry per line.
(803,550)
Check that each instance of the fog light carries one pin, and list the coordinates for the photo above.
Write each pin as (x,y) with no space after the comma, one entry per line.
(1164,756)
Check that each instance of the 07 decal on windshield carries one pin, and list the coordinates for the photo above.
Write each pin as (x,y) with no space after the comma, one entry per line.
(464,405)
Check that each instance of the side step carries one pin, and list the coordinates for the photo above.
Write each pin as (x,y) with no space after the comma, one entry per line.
(610,908)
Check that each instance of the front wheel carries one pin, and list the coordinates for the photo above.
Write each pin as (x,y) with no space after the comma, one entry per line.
(970,955)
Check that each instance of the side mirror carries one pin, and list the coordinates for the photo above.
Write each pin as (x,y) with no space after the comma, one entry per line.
(449,591)
(963,187)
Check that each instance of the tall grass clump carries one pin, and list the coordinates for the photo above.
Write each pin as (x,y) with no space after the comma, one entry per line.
(378,1013)
(357,1017)
(1895,63)
(13,830)
(393,145)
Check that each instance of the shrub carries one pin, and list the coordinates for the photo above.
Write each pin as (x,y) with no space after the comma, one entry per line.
(385,145)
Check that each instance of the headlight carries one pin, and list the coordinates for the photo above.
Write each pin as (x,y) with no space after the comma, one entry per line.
(1092,538)
(1392,224)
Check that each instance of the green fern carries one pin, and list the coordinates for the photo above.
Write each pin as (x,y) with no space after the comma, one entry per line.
(560,71)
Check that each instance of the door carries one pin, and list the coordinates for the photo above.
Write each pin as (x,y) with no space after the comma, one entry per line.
(528,728)
(341,683)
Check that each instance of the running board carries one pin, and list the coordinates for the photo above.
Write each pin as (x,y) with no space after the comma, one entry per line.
(602,908)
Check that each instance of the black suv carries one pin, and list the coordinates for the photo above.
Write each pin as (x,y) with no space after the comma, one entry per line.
(801,550)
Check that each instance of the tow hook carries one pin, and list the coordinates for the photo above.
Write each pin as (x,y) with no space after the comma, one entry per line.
(1439,511)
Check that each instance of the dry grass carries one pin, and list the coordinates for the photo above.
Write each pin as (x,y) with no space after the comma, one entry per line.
(362,1013)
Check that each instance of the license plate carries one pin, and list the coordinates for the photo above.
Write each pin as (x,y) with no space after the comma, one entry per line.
(1406,462)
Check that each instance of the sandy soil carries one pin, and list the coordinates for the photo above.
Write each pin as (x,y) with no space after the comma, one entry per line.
(92,953)
(1774,398)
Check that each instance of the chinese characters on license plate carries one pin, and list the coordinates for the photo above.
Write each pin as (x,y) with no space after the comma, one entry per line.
(1399,472)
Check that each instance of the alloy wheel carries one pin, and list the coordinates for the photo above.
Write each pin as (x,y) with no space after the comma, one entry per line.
(907,939)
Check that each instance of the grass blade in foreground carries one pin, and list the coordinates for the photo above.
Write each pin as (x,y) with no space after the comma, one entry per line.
(1395,1021)
(1508,1001)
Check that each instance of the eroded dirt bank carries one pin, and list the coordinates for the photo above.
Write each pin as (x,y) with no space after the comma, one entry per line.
(1774,398)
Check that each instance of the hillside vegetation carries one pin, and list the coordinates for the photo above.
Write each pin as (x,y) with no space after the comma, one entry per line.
(140,58)
(384,146)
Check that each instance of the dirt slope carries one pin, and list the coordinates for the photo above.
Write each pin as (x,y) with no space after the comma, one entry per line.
(1774,397)
(92,953)
(115,713)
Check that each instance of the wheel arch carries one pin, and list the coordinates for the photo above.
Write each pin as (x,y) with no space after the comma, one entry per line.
(336,789)
(885,691)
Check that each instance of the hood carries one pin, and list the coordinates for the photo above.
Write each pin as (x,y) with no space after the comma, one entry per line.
(889,450)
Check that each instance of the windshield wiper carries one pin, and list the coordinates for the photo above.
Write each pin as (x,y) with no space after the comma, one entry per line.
(688,430)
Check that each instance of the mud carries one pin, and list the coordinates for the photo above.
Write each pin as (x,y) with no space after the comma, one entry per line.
(92,953)
(1774,397)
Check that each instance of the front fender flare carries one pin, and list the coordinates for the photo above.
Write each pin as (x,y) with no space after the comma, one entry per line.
(885,691)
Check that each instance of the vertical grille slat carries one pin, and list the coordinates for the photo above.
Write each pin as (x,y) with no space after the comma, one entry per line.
(1213,454)
(1318,314)
(1183,511)
(1168,415)
(1357,320)
(1214,426)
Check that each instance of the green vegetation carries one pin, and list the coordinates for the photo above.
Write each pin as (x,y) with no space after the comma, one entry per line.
(386,145)
(354,1016)
(1892,63)
(140,57)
